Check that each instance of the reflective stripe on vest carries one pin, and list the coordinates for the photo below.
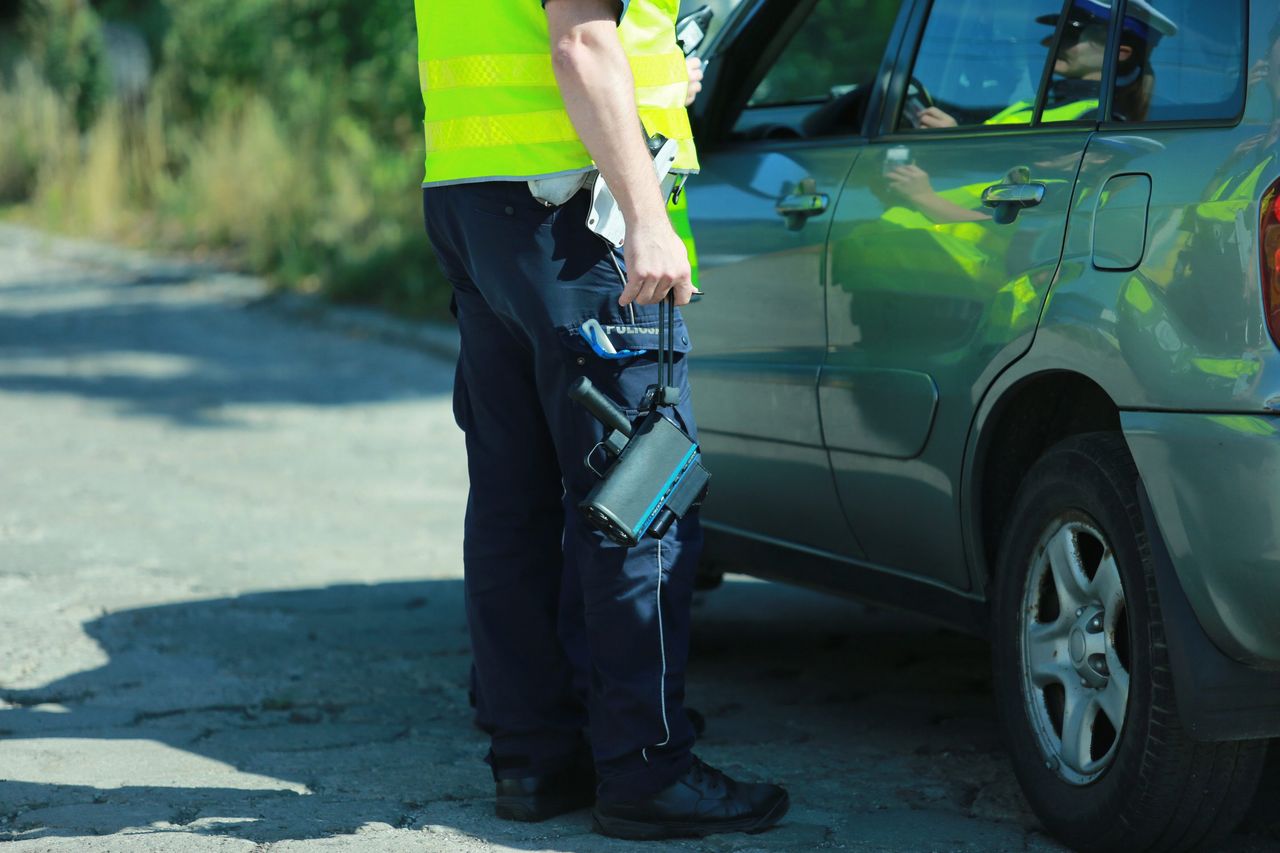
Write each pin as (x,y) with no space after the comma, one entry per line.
(495,111)
(475,132)
(1021,113)
(534,69)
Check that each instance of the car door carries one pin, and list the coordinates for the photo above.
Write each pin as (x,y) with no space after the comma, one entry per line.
(775,152)
(946,238)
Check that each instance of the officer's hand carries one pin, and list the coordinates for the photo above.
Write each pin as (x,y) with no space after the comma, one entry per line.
(657,262)
(910,180)
(695,79)
(934,117)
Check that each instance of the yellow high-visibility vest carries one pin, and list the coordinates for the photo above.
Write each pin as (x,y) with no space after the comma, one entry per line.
(678,213)
(1021,112)
(493,110)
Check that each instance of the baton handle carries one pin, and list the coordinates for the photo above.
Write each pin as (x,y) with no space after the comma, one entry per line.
(604,409)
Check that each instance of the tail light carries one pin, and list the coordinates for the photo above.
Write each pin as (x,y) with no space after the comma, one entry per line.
(1269,239)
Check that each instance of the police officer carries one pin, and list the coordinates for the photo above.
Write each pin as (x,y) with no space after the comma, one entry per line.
(579,645)
(1078,66)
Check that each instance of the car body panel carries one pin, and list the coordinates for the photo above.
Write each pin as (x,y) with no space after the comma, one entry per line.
(854,401)
(1213,481)
(1139,273)
(1183,330)
(1120,222)
(1168,337)
(926,299)
(760,334)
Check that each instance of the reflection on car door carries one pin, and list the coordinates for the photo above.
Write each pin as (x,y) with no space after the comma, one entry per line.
(759,338)
(933,292)
(761,211)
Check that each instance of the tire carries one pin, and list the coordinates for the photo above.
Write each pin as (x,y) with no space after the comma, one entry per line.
(1070,658)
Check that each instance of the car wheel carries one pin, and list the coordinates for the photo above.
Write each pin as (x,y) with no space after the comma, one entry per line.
(1082,680)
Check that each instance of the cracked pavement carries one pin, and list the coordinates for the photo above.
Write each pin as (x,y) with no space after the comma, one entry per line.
(231,607)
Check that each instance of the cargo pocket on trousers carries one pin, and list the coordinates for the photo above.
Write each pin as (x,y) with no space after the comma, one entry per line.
(621,339)
(624,374)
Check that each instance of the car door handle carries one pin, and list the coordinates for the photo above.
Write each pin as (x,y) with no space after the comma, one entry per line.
(1008,199)
(1020,195)
(798,207)
(803,204)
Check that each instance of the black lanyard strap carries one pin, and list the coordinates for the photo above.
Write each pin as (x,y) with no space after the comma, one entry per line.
(668,394)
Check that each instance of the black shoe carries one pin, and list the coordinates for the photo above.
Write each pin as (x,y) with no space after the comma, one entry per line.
(535,798)
(701,802)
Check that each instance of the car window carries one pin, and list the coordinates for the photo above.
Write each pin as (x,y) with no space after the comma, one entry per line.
(1075,83)
(979,62)
(1180,60)
(819,83)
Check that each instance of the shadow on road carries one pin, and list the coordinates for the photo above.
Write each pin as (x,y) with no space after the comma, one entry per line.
(311,713)
(324,710)
(186,350)
(321,710)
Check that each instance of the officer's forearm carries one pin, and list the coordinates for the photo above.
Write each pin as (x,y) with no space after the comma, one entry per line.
(940,210)
(599,94)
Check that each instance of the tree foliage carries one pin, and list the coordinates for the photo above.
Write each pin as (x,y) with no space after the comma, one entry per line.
(839,43)
(63,39)
(285,131)
(313,60)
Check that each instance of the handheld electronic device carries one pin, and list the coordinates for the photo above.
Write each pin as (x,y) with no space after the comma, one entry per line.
(653,470)
(604,217)
(691,30)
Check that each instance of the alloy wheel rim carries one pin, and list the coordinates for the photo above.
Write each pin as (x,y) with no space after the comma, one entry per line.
(1075,649)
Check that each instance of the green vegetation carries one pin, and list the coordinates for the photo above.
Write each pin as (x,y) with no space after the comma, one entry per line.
(838,42)
(281,134)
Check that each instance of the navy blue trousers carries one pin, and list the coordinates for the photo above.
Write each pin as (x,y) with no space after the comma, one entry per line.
(572,635)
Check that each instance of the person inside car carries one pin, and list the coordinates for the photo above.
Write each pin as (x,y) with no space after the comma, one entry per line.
(1074,93)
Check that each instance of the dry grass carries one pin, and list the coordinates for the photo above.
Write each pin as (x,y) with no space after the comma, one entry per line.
(244,185)
(338,214)
(33,134)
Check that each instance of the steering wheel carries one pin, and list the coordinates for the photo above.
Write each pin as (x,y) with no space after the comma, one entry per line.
(916,101)
(773,131)
(842,114)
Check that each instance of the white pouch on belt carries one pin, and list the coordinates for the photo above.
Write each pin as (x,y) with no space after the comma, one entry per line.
(554,192)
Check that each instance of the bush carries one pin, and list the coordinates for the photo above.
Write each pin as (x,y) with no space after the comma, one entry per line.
(283,133)
(339,79)
(63,38)
(37,123)
(306,57)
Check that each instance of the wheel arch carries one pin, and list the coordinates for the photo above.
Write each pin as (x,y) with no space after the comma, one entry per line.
(1021,418)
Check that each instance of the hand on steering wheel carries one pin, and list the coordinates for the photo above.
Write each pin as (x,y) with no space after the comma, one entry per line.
(918,108)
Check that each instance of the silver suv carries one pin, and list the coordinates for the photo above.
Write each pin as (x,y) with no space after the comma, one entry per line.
(990,334)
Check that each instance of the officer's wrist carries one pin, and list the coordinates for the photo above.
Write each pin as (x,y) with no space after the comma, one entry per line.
(646,212)
(648,223)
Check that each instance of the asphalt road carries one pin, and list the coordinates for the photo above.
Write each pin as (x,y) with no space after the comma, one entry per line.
(230,607)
